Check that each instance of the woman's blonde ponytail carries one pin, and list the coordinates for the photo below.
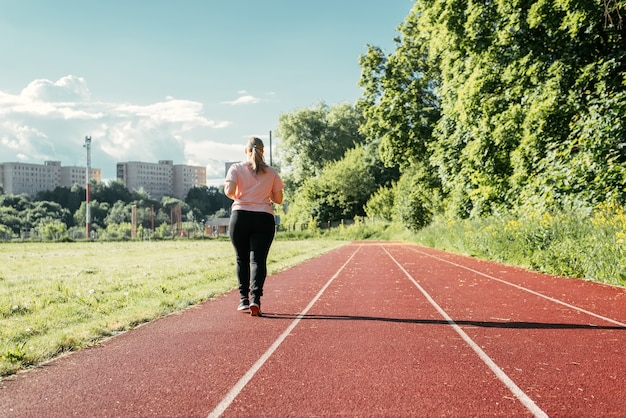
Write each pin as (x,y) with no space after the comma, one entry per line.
(255,146)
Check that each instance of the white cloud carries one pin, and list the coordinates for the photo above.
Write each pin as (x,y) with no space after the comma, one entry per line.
(242,100)
(49,120)
(198,151)
(24,140)
(66,89)
(171,110)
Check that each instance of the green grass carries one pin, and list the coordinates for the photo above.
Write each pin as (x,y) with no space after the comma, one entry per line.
(586,244)
(59,297)
(582,242)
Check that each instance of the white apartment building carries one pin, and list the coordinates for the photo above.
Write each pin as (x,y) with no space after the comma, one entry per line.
(186,177)
(30,179)
(162,179)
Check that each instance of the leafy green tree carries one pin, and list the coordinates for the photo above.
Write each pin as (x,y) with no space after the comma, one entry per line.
(15,212)
(205,201)
(398,102)
(163,231)
(20,213)
(417,198)
(339,192)
(148,209)
(221,213)
(47,210)
(99,212)
(120,213)
(168,203)
(52,229)
(384,175)
(381,204)
(162,218)
(9,218)
(314,137)
(112,192)
(5,232)
(17,202)
(119,230)
(521,96)
(69,198)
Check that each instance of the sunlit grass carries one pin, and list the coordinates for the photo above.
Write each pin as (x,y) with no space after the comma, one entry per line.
(58,297)
(588,244)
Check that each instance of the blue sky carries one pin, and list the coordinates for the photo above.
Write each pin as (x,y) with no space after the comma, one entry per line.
(184,80)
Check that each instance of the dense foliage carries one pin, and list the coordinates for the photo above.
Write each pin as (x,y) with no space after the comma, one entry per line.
(484,107)
(312,137)
(509,104)
(329,168)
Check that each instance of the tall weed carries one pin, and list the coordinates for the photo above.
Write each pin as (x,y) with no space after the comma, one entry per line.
(576,243)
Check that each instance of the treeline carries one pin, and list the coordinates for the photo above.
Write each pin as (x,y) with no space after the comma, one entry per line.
(61,213)
(484,107)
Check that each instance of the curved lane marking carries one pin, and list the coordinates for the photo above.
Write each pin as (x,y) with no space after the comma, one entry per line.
(241,383)
(506,380)
(560,302)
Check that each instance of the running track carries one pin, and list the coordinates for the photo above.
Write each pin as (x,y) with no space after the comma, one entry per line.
(369,329)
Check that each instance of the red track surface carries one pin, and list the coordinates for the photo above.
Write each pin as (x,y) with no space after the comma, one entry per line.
(370,329)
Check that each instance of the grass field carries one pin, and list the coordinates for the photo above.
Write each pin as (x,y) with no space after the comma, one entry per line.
(59,297)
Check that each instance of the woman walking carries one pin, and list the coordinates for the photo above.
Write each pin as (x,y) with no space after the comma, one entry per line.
(254,186)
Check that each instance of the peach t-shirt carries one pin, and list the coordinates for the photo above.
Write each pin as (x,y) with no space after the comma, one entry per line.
(253,190)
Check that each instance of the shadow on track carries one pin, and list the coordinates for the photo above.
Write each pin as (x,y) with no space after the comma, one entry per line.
(483,324)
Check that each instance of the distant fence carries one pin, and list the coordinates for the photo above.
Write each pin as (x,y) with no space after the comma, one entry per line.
(328,225)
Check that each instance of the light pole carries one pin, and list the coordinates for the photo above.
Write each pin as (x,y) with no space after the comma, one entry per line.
(270,147)
(88,189)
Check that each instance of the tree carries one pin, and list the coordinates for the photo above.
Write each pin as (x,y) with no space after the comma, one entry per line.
(339,192)
(119,213)
(504,102)
(18,202)
(114,191)
(99,212)
(14,212)
(205,201)
(167,203)
(5,232)
(417,198)
(10,219)
(398,102)
(314,137)
(47,210)
(614,11)
(68,198)
(52,229)
(381,204)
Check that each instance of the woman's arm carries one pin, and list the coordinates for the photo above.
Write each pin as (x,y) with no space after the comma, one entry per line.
(229,189)
(277,197)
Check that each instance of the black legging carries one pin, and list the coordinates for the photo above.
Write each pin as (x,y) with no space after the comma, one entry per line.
(252,234)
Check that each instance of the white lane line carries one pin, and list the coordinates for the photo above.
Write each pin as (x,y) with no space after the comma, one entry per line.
(506,380)
(241,383)
(560,302)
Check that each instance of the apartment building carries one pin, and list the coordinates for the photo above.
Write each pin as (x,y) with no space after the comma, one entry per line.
(30,179)
(186,177)
(162,179)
